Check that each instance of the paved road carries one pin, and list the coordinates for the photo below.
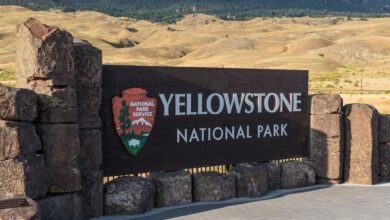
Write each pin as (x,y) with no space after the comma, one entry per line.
(318,202)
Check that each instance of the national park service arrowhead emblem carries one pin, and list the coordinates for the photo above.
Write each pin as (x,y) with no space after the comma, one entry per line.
(134,115)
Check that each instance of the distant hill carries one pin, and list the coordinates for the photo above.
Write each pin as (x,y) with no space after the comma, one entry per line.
(169,11)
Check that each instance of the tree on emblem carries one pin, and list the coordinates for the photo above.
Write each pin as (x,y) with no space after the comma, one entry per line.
(123,118)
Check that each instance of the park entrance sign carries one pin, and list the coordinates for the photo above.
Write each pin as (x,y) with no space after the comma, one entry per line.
(168,118)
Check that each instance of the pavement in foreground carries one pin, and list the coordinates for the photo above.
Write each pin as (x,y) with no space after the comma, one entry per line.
(317,202)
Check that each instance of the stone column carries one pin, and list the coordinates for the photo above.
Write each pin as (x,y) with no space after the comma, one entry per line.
(384,148)
(88,67)
(45,64)
(22,168)
(326,137)
(361,165)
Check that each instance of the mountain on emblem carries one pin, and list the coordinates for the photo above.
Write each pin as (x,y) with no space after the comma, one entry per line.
(134,115)
(141,121)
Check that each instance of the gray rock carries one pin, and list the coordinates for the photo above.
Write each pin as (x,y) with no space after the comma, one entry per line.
(92,193)
(384,129)
(172,188)
(326,126)
(17,138)
(17,104)
(361,163)
(29,212)
(25,175)
(128,195)
(43,53)
(297,174)
(274,175)
(61,207)
(90,149)
(326,104)
(251,181)
(61,148)
(384,162)
(58,115)
(213,186)
(88,67)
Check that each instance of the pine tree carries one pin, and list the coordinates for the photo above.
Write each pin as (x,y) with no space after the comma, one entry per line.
(123,117)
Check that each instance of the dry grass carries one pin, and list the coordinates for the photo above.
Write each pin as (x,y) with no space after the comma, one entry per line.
(337,55)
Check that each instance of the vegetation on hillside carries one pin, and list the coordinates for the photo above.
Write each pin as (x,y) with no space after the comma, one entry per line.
(169,11)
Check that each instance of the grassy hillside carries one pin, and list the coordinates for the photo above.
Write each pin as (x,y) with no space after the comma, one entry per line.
(169,11)
(343,56)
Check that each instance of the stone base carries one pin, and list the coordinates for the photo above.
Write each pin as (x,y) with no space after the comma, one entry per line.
(172,188)
(213,186)
(297,174)
(30,212)
(251,181)
(128,195)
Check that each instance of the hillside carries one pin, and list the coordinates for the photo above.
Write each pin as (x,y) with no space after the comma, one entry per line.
(338,52)
(169,11)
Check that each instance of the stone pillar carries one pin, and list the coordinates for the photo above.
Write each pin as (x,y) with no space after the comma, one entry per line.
(45,64)
(88,68)
(22,168)
(361,165)
(326,137)
(384,148)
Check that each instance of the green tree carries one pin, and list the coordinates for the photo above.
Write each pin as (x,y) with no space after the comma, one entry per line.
(123,117)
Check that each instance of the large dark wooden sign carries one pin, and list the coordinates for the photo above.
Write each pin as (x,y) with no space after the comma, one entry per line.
(165,118)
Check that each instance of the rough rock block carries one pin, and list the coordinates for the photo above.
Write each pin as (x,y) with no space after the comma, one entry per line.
(384,162)
(128,195)
(88,67)
(44,53)
(213,186)
(172,188)
(90,149)
(251,181)
(384,129)
(24,176)
(361,165)
(61,207)
(92,193)
(17,104)
(274,175)
(326,104)
(61,148)
(297,174)
(326,126)
(17,138)
(29,212)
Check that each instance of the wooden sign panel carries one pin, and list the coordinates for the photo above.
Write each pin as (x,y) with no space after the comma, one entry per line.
(168,118)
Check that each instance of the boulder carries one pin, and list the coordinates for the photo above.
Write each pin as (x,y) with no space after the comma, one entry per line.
(17,138)
(90,150)
(17,104)
(384,162)
(25,175)
(61,148)
(213,186)
(172,188)
(128,195)
(43,53)
(18,208)
(61,207)
(384,129)
(88,67)
(361,164)
(326,104)
(92,193)
(297,174)
(251,181)
(274,175)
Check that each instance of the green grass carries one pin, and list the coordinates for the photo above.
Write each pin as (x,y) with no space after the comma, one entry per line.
(7,74)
